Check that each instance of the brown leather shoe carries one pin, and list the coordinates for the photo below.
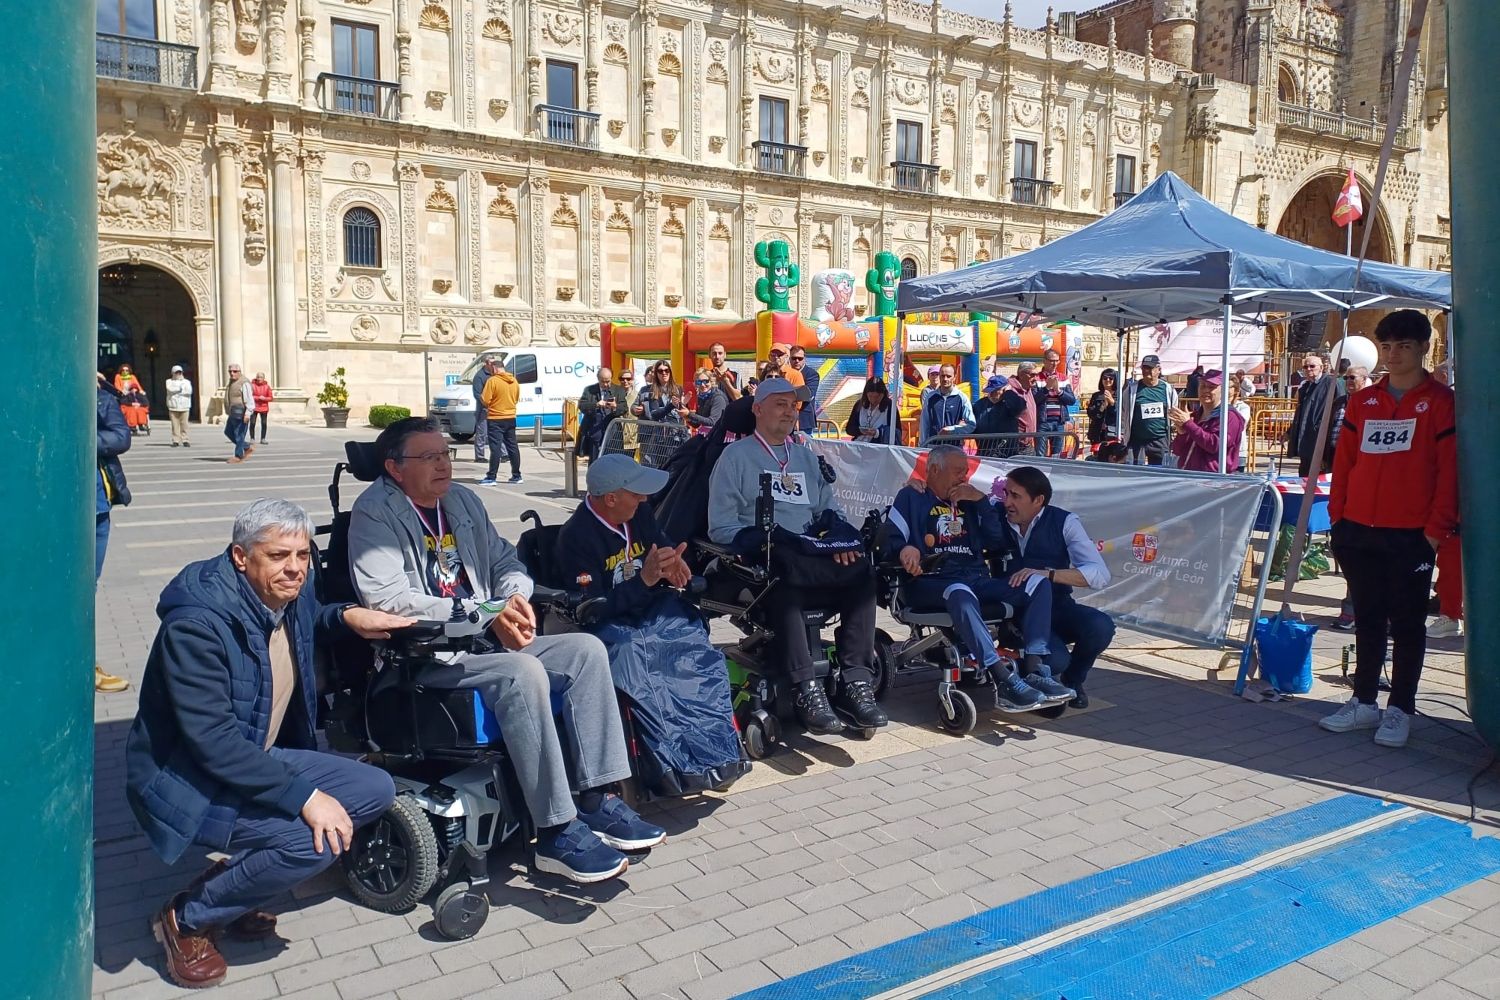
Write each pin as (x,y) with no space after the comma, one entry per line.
(252,925)
(233,461)
(192,959)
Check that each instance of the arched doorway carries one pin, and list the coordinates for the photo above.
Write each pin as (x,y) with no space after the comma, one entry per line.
(1309,219)
(147,320)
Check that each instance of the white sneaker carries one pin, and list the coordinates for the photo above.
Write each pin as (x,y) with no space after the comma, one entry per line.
(1442,627)
(1351,716)
(1395,729)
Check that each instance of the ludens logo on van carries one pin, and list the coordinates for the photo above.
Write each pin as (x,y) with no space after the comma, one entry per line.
(576,368)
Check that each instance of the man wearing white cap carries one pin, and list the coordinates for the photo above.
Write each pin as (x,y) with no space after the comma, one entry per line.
(803,504)
(179,405)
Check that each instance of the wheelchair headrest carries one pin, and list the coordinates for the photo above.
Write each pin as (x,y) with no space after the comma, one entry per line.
(738,418)
(364,462)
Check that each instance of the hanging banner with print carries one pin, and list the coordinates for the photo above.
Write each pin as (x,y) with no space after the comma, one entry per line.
(1174,549)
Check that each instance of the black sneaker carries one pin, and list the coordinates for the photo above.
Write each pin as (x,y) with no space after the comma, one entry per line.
(857,698)
(1080,700)
(813,710)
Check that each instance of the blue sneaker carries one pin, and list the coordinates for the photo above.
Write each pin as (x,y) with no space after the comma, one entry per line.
(575,853)
(486,481)
(618,826)
(1012,694)
(1054,691)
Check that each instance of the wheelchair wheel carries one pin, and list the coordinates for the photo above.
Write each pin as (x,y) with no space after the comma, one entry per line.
(884,667)
(757,740)
(394,860)
(964,714)
(459,912)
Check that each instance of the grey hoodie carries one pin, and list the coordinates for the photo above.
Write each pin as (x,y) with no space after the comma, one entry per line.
(388,550)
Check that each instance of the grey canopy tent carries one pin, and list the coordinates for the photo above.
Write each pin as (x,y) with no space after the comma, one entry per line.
(1169,255)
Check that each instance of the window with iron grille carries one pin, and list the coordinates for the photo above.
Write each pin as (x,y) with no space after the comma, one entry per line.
(361,238)
(908,268)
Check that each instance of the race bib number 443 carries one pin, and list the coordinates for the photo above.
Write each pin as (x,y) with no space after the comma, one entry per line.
(1382,437)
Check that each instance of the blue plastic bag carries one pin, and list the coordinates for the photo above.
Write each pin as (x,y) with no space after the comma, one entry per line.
(1284,648)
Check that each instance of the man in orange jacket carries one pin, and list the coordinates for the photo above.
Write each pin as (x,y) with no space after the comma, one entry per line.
(502,394)
(1393,502)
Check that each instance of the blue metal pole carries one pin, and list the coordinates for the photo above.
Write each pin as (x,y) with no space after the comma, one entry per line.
(48,296)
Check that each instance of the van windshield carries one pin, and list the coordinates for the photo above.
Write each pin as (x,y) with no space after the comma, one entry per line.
(473,368)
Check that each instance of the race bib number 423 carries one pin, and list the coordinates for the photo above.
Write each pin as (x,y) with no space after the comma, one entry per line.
(1153,411)
(1382,437)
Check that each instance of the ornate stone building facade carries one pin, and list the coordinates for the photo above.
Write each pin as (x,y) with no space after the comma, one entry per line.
(303,185)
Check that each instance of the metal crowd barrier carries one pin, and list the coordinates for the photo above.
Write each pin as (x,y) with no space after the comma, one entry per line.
(1042,444)
(647,441)
(1268,429)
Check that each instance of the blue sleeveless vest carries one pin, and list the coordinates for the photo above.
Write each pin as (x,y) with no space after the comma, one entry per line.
(1046,548)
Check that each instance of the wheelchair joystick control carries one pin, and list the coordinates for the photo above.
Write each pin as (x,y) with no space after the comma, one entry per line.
(458,614)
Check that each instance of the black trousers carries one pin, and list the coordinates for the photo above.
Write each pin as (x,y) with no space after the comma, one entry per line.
(261,418)
(502,435)
(1150,453)
(854,637)
(1389,573)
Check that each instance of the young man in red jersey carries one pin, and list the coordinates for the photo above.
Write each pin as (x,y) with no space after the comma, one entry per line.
(1393,502)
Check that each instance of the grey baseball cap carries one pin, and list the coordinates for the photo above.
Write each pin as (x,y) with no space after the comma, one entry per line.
(773,386)
(621,472)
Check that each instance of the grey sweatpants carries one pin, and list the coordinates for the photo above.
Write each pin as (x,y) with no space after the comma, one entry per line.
(519,685)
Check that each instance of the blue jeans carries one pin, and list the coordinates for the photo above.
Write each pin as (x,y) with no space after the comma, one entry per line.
(1088,630)
(965,599)
(101,542)
(273,853)
(236,429)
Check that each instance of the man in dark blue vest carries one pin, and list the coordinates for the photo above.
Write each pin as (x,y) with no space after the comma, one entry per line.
(1052,542)
(948,411)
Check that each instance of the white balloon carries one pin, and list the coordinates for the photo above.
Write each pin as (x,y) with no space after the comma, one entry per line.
(1360,351)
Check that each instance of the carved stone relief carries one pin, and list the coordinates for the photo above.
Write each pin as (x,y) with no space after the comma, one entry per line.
(434,17)
(567,335)
(136,182)
(364,328)
(441,199)
(477,333)
(253,217)
(444,330)
(560,27)
(774,67)
(510,334)
(909,92)
(247,21)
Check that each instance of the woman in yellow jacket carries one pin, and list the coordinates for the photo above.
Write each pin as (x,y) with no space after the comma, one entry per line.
(501,393)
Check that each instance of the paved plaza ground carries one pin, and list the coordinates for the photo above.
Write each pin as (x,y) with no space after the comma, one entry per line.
(833,847)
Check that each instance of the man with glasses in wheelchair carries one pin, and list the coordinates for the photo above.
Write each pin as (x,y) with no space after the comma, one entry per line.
(418,545)
(950,520)
(802,501)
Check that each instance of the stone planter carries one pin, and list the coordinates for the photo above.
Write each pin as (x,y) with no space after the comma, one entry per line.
(335,416)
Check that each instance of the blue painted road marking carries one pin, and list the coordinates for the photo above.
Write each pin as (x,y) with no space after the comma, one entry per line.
(1210,941)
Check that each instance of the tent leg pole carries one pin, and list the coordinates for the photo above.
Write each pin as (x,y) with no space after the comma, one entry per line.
(1224,392)
(1473,39)
(1119,378)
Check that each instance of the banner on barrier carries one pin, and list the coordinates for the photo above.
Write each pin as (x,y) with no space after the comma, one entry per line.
(1174,542)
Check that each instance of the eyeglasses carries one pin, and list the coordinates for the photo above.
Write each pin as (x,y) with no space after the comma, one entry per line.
(1311,366)
(797,359)
(428,457)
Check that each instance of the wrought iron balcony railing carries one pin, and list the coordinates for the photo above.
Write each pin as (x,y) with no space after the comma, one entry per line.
(353,95)
(780,158)
(1121,197)
(908,175)
(145,60)
(1030,191)
(568,126)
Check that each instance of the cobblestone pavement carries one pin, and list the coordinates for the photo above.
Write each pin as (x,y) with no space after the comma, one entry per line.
(833,847)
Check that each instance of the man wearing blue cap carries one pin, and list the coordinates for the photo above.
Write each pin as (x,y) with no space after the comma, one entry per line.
(1009,408)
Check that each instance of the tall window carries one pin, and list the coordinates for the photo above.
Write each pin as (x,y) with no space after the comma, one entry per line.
(1124,175)
(1025,159)
(908,268)
(773,121)
(361,238)
(136,18)
(909,142)
(562,84)
(356,50)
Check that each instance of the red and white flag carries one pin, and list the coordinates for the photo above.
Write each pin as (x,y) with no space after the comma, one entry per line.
(1350,206)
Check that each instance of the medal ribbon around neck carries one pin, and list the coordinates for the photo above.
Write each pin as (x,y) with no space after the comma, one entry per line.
(444,571)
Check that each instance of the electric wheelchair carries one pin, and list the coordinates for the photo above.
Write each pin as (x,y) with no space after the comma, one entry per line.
(457,794)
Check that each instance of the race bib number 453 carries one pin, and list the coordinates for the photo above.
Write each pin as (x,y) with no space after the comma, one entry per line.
(790,488)
(1382,437)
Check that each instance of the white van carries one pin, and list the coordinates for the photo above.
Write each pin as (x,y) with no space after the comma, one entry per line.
(548,376)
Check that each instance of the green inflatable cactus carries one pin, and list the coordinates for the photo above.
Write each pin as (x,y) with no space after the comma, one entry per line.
(881,281)
(781,275)
(975,317)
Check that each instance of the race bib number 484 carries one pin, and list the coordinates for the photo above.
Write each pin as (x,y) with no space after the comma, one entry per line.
(1382,437)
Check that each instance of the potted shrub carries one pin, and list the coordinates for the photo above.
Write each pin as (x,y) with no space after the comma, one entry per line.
(334,398)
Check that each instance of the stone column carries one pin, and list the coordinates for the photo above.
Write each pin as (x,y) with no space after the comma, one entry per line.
(283,264)
(278,61)
(307,24)
(204,380)
(593,30)
(411,317)
(220,28)
(227,148)
(405,76)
